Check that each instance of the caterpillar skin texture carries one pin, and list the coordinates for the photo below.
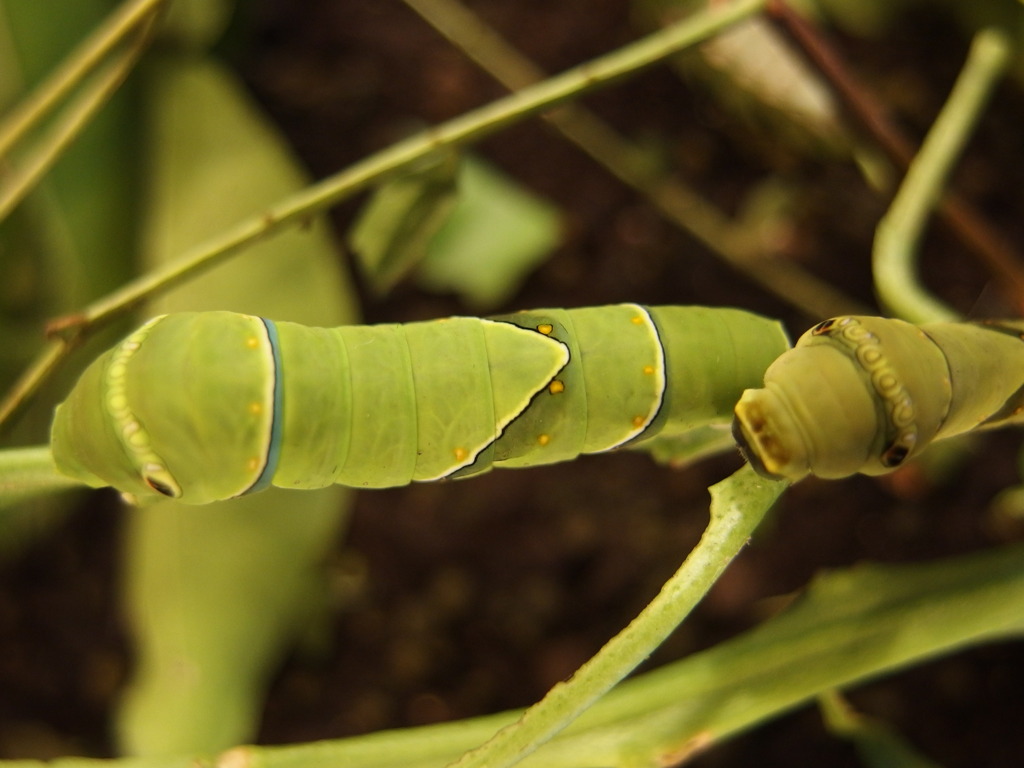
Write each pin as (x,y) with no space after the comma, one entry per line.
(208,406)
(864,394)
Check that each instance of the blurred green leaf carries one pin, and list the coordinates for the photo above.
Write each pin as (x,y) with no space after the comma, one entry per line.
(497,234)
(395,227)
(879,745)
(196,24)
(216,595)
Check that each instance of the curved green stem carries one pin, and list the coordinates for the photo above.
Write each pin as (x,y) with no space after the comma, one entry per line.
(737,507)
(896,240)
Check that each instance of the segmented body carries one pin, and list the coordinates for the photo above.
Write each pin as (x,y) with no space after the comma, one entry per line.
(214,405)
(863,394)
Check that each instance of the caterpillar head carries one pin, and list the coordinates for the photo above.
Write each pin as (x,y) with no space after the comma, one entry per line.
(846,399)
(182,408)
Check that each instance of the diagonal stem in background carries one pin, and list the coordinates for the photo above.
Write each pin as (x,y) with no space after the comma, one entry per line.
(23,178)
(966,223)
(78,64)
(674,199)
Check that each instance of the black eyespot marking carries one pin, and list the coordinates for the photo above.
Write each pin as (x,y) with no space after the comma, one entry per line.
(823,327)
(894,455)
(161,488)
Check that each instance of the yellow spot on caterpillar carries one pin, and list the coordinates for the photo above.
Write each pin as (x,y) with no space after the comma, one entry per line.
(639,421)
(543,440)
(636,320)
(546,328)
(253,464)
(648,370)
(255,408)
(134,435)
(252,343)
(556,387)
(460,454)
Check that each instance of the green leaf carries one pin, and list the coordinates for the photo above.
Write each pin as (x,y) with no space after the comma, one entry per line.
(495,237)
(396,226)
(217,595)
(878,744)
(196,24)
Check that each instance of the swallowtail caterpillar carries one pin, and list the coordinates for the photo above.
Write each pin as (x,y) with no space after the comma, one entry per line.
(208,406)
(864,394)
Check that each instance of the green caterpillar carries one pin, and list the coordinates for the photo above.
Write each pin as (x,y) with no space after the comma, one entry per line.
(864,394)
(209,406)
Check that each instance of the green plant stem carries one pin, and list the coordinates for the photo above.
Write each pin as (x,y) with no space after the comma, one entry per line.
(77,115)
(676,201)
(78,65)
(470,127)
(738,504)
(899,232)
(31,379)
(27,473)
(991,246)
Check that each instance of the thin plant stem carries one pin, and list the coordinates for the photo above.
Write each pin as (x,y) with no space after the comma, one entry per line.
(991,247)
(896,239)
(78,65)
(470,127)
(674,199)
(737,506)
(31,379)
(78,114)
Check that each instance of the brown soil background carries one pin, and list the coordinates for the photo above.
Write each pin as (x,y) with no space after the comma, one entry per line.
(480,595)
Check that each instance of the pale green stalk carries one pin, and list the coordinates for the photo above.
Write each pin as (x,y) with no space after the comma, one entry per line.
(896,239)
(737,507)
(30,171)
(78,65)
(27,473)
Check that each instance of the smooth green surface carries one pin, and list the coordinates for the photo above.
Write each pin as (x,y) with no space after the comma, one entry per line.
(381,406)
(29,473)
